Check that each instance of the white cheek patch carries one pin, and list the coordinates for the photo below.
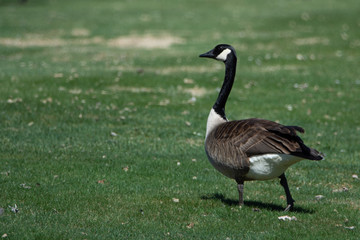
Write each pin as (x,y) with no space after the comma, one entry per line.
(223,55)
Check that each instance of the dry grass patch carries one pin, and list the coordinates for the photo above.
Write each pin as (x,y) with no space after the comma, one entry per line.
(188,69)
(145,41)
(169,70)
(196,91)
(80,32)
(311,41)
(116,88)
(275,68)
(32,41)
(195,142)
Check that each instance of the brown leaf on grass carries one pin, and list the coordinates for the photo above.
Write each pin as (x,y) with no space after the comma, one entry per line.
(58,75)
(190,225)
(188,81)
(185,112)
(319,197)
(47,100)
(164,102)
(15,100)
(343,189)
(6,173)
(101,181)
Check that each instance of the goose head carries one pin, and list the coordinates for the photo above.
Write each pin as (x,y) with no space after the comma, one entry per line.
(222,52)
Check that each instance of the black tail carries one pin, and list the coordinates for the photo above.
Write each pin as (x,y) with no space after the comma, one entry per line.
(309,153)
(316,155)
(306,152)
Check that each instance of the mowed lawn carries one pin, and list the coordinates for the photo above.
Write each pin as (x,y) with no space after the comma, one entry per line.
(103,108)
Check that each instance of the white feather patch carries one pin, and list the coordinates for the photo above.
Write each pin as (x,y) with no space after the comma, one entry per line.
(213,121)
(268,166)
(223,55)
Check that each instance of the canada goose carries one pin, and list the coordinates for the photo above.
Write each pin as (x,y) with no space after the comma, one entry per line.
(250,149)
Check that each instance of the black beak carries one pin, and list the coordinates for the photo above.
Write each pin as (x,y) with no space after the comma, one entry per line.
(209,54)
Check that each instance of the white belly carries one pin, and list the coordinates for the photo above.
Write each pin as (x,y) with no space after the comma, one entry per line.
(268,166)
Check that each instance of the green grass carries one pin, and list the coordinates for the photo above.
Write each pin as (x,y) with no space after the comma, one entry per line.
(65,88)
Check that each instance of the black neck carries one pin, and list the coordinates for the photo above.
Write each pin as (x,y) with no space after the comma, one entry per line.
(230,70)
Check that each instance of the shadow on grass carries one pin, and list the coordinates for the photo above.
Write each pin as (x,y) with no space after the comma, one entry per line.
(254,204)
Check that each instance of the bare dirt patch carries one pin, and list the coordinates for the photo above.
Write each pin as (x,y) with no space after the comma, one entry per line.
(275,68)
(196,91)
(116,88)
(145,41)
(189,69)
(34,41)
(80,32)
(311,41)
(171,70)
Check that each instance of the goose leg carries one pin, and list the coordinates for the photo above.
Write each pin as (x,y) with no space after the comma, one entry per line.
(290,201)
(240,186)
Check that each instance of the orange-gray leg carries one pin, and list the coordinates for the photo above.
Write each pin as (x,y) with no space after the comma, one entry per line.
(240,186)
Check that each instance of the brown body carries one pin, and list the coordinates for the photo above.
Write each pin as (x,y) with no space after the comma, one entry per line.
(231,144)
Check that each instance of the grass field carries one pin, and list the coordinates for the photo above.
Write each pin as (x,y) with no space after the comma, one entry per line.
(103,108)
